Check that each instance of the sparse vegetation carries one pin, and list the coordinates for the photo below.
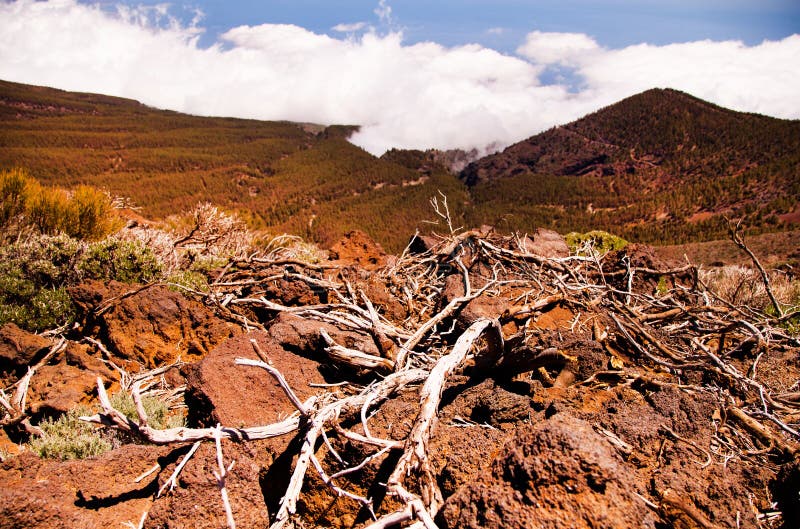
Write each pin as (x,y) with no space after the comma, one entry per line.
(597,240)
(34,274)
(188,280)
(743,286)
(129,261)
(158,412)
(67,437)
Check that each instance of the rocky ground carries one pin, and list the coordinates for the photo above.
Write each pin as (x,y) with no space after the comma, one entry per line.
(474,381)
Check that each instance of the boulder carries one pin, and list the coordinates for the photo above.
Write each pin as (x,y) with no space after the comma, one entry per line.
(545,243)
(90,493)
(484,306)
(18,349)
(68,380)
(356,247)
(219,391)
(384,300)
(149,326)
(423,243)
(294,292)
(302,336)
(586,486)
(195,503)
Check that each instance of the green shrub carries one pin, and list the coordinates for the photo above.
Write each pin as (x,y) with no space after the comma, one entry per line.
(33,276)
(69,438)
(189,279)
(601,241)
(45,309)
(158,414)
(126,261)
(93,214)
(14,191)
(204,264)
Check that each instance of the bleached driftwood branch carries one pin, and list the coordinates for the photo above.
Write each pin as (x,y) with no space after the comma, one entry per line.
(114,418)
(415,455)
(221,475)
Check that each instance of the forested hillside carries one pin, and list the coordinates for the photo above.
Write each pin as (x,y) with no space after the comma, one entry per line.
(301,178)
(659,167)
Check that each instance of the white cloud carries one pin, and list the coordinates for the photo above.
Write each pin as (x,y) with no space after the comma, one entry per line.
(496,31)
(414,96)
(349,28)
(557,48)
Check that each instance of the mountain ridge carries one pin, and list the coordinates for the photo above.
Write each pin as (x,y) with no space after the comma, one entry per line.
(282,176)
(660,157)
(659,167)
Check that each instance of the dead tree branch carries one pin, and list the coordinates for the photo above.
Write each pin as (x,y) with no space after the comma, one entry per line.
(737,237)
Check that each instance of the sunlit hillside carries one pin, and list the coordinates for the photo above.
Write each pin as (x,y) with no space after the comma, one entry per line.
(300,178)
(658,167)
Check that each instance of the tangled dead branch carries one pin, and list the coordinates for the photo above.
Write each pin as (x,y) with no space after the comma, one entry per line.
(678,329)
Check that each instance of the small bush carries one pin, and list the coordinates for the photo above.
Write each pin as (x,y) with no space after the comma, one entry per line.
(741,285)
(93,214)
(601,242)
(49,211)
(126,261)
(290,247)
(87,213)
(208,230)
(14,192)
(158,415)
(188,279)
(69,438)
(33,276)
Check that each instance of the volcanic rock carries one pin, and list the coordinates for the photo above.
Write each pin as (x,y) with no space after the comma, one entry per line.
(148,326)
(585,486)
(356,247)
(219,391)
(546,243)
(69,379)
(91,493)
(18,349)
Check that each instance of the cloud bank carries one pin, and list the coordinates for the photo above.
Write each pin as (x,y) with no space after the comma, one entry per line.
(410,96)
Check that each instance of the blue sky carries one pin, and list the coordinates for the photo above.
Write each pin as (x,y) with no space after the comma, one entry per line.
(503,24)
(413,74)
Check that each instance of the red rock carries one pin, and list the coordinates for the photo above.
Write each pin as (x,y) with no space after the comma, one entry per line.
(91,493)
(68,380)
(219,391)
(151,327)
(294,292)
(356,247)
(302,336)
(423,243)
(196,504)
(586,486)
(546,243)
(18,348)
